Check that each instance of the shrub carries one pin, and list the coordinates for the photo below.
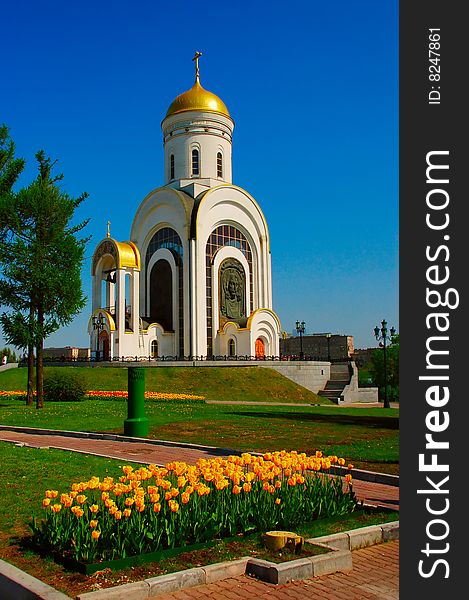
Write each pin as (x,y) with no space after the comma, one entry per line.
(63,386)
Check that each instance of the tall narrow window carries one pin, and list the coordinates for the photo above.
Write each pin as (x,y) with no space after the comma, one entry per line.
(219,164)
(231,347)
(195,162)
(171,166)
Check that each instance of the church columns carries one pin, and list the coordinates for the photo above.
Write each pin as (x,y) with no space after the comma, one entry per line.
(96,293)
(110,295)
(135,284)
(263,272)
(193,305)
(120,308)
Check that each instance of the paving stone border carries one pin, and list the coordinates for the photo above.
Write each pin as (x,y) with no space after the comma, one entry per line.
(16,584)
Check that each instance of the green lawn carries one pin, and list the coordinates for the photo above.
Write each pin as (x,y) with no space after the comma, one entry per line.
(368,437)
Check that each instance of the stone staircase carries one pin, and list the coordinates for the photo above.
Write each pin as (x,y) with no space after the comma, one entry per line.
(340,377)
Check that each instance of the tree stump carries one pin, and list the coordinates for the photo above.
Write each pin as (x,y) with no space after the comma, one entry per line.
(276,540)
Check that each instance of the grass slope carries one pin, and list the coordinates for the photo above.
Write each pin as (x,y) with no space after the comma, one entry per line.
(242,384)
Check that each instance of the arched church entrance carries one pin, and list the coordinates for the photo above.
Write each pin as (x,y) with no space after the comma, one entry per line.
(161,294)
(260,348)
(104,345)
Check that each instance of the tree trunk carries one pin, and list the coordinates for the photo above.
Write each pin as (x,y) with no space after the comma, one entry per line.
(30,393)
(39,361)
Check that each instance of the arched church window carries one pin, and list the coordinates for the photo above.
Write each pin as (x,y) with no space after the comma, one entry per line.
(219,164)
(231,347)
(168,238)
(225,235)
(171,166)
(195,162)
(154,349)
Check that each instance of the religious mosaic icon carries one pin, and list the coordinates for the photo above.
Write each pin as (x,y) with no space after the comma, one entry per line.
(232,292)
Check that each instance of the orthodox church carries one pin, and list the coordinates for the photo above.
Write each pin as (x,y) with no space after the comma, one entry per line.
(195,277)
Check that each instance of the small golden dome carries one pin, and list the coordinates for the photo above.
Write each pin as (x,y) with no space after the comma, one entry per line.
(129,255)
(197,98)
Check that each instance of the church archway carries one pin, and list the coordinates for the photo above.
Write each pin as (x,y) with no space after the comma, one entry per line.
(104,346)
(168,239)
(260,348)
(161,294)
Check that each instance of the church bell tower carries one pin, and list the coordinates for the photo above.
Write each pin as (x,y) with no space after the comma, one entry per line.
(197,131)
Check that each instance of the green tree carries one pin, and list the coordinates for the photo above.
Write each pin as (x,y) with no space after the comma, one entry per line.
(392,369)
(41,263)
(10,354)
(10,167)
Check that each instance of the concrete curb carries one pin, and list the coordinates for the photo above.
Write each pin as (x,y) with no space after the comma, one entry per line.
(360,474)
(359,538)
(173,582)
(18,585)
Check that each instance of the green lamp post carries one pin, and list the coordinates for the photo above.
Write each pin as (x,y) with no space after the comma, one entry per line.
(136,424)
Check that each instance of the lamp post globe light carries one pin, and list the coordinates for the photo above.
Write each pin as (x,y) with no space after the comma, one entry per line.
(98,325)
(382,335)
(300,329)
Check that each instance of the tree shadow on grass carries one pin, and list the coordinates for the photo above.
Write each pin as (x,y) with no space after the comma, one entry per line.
(358,421)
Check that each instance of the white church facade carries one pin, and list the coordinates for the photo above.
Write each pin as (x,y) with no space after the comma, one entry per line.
(195,279)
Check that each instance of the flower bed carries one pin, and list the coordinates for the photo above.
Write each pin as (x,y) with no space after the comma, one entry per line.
(148,395)
(150,509)
(118,394)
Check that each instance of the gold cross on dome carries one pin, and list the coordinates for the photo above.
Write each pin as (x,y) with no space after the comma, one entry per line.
(196,58)
(108,229)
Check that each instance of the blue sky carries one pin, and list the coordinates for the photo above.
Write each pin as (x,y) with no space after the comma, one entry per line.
(313,90)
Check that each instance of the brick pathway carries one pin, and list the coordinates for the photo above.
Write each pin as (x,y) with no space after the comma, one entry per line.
(372,493)
(375,576)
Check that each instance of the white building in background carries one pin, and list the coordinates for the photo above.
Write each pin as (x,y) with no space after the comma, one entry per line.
(195,278)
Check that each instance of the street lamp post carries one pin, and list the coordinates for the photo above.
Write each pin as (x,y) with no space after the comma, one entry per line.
(328,337)
(382,334)
(98,325)
(300,329)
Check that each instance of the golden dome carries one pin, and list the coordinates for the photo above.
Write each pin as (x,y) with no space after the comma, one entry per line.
(124,254)
(197,98)
(129,256)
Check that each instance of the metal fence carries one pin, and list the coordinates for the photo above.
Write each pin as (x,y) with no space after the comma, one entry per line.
(174,358)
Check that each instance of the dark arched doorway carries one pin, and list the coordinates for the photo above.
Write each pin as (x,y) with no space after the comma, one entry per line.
(231,347)
(161,294)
